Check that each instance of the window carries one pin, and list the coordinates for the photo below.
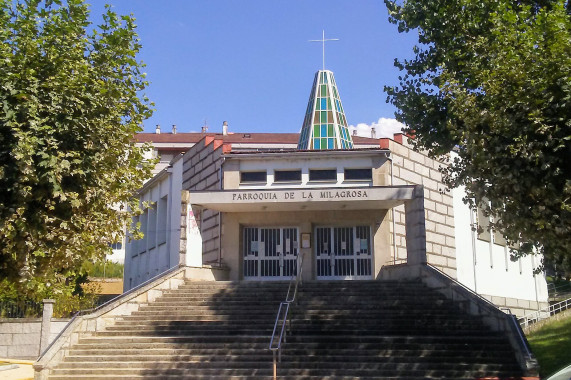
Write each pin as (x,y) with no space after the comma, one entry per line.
(358,174)
(322,175)
(499,238)
(142,244)
(116,246)
(287,176)
(162,220)
(259,176)
(152,226)
(483,225)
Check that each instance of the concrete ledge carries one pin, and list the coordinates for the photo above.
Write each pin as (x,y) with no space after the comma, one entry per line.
(470,302)
(117,308)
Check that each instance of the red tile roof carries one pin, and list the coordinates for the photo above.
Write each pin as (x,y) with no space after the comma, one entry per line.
(254,138)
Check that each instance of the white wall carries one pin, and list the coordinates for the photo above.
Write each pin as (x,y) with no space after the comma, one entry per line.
(486,268)
(159,249)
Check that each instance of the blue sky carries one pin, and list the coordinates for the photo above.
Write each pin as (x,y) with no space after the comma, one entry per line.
(249,62)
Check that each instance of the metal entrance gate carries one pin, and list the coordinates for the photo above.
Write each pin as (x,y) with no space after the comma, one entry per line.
(270,253)
(343,253)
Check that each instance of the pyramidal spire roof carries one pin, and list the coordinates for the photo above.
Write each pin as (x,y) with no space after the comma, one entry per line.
(324,126)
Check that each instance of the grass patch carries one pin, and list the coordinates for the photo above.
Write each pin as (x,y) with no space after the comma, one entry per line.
(551,345)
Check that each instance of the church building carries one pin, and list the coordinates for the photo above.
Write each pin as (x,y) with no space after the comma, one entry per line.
(267,206)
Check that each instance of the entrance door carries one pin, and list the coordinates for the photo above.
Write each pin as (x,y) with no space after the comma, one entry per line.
(270,253)
(343,253)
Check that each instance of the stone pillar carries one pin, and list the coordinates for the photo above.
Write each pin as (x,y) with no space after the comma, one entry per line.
(46,324)
(190,239)
(415,227)
(184,205)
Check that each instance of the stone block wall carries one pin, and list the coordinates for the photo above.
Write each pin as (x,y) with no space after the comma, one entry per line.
(414,168)
(20,337)
(201,171)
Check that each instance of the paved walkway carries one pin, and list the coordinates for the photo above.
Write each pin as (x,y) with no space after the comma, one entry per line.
(19,370)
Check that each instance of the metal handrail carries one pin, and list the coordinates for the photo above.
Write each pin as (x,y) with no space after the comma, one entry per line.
(536,316)
(276,346)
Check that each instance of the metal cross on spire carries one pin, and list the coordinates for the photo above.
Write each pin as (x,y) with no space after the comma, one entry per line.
(322,40)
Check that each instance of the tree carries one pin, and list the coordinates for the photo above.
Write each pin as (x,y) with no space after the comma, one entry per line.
(71,101)
(491,80)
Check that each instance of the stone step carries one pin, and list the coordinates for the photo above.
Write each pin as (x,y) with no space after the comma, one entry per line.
(341,330)
(298,330)
(308,361)
(287,373)
(312,363)
(249,377)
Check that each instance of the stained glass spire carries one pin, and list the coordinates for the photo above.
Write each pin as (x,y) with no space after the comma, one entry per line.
(324,126)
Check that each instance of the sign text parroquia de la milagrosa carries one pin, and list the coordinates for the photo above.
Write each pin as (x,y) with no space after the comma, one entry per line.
(299,195)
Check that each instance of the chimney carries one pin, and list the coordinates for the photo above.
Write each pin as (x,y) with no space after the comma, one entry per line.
(373,133)
(225,128)
(158,130)
(355,132)
(174,129)
(204,128)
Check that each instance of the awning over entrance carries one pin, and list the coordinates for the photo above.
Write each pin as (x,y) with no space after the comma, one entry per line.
(338,198)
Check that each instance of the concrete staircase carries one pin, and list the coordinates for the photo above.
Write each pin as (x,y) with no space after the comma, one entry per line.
(340,331)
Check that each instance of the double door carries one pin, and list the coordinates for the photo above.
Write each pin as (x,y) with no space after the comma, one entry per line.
(343,252)
(270,253)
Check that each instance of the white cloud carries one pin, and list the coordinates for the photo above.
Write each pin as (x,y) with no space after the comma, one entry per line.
(384,127)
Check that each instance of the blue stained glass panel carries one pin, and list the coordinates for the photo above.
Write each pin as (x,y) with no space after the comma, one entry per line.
(316,144)
(323,103)
(330,144)
(323,130)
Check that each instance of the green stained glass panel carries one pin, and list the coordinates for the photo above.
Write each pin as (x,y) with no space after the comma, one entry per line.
(324,116)
(323,90)
(330,130)
(323,143)
(329,103)
(316,131)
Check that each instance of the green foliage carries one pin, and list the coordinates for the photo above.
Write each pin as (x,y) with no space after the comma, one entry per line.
(106,269)
(551,344)
(70,103)
(492,81)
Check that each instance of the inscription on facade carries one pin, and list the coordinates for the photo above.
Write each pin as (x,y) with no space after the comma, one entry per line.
(300,195)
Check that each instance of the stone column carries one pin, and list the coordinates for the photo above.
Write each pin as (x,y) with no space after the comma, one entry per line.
(415,227)
(184,204)
(190,250)
(46,324)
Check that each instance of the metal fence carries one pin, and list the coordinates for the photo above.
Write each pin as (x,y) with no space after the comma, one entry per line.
(20,309)
(544,313)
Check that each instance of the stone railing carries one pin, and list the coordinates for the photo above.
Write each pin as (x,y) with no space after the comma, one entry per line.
(106,315)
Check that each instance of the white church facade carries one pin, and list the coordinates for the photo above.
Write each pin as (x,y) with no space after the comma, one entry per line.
(263,207)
